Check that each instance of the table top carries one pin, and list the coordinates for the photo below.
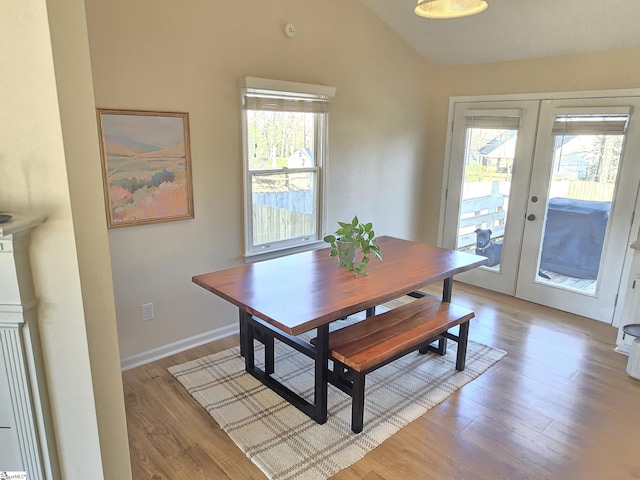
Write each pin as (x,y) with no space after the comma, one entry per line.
(298,292)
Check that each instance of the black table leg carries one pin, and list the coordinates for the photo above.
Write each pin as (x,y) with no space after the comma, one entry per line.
(321,373)
(242,325)
(441,349)
(247,342)
(446,289)
(256,329)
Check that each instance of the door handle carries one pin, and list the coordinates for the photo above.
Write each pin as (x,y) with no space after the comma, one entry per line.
(531,217)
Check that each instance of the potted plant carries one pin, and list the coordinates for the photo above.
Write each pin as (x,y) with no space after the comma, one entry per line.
(351,238)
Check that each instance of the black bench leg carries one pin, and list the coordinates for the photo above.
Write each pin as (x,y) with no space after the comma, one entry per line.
(463,337)
(357,404)
(441,349)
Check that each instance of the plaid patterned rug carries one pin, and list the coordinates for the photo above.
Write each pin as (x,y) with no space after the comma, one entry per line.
(286,444)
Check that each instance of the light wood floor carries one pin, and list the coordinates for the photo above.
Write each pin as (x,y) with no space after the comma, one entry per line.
(558,406)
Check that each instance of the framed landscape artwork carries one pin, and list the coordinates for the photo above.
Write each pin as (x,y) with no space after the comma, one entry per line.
(146,166)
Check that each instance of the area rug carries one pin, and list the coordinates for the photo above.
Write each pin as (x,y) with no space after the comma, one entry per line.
(286,444)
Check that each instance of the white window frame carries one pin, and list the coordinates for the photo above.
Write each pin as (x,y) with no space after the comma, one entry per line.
(316,99)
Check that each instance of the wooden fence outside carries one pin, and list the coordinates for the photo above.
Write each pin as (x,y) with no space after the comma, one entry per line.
(489,211)
(602,192)
(480,212)
(271,224)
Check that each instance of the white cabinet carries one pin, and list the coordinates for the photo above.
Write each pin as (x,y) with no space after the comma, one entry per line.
(26,435)
(631,307)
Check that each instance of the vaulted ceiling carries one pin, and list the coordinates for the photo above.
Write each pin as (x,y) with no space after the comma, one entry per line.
(516,29)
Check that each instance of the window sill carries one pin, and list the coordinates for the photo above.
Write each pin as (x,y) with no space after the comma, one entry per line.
(283,252)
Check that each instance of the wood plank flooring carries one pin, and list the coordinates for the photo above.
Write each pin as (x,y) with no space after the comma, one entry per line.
(559,406)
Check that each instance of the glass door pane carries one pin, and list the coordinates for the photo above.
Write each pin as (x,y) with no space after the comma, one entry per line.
(486,189)
(283,205)
(586,156)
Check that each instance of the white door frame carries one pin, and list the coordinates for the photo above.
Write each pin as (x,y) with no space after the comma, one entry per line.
(502,278)
(601,305)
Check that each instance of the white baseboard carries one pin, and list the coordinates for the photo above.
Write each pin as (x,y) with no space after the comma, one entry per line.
(623,349)
(176,347)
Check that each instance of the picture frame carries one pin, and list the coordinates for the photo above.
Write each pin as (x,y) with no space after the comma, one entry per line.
(146,166)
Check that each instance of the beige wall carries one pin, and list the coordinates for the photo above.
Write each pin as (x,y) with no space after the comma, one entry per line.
(47,141)
(595,71)
(165,56)
(387,131)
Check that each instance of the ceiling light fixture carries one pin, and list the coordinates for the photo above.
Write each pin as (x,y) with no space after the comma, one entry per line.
(449,8)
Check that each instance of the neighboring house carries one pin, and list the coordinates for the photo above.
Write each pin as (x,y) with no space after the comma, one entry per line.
(302,157)
(498,154)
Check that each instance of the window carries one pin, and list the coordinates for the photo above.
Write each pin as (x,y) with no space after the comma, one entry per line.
(285,138)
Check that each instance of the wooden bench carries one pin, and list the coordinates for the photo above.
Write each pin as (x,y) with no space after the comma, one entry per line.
(372,343)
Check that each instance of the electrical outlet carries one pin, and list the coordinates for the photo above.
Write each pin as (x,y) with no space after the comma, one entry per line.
(147,311)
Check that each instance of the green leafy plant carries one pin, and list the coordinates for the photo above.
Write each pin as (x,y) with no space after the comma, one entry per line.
(363,239)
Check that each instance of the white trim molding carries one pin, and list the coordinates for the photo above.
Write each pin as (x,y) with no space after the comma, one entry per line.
(26,426)
(285,86)
(154,354)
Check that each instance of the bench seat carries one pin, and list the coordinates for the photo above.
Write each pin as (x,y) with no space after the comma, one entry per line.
(375,340)
(371,343)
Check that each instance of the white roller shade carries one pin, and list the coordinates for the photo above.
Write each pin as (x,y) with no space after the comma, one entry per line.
(286,104)
(281,96)
(504,119)
(567,125)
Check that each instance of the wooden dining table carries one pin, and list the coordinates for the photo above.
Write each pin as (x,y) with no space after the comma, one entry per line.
(283,297)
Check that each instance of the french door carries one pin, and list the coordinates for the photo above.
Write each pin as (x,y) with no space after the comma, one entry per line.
(546,190)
